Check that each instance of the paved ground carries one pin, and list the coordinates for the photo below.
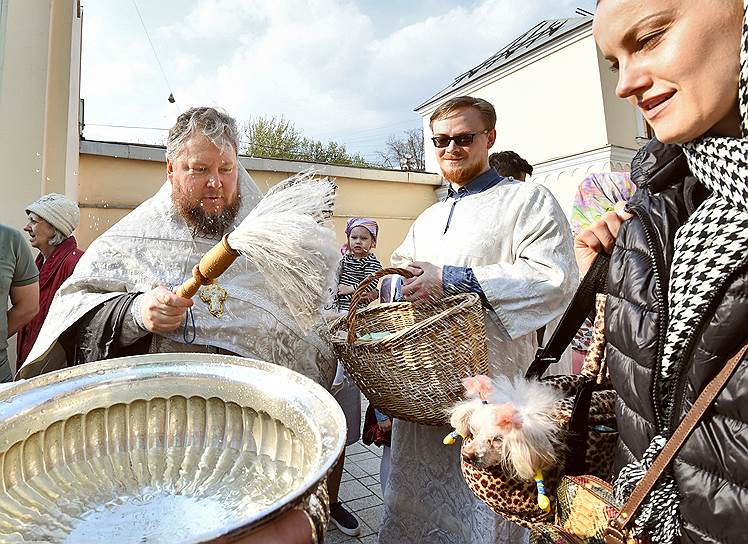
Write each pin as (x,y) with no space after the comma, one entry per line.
(360,492)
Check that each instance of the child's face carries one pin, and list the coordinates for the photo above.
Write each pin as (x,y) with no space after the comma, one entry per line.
(360,241)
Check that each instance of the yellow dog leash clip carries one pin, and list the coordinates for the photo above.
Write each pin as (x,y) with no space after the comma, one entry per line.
(543,501)
(451,438)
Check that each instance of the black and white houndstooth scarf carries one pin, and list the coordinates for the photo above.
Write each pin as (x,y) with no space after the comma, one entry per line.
(709,248)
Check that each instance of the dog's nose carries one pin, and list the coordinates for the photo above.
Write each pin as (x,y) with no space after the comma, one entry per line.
(473,458)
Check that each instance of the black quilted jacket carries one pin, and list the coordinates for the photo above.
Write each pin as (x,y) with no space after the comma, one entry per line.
(712,467)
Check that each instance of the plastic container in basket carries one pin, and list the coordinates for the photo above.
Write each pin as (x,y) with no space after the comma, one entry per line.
(414,373)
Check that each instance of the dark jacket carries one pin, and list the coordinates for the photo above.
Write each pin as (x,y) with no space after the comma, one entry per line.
(712,467)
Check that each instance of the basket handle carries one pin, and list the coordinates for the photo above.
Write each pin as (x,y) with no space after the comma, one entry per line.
(361,289)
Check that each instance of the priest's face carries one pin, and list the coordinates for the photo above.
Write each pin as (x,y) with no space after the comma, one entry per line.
(462,163)
(204,181)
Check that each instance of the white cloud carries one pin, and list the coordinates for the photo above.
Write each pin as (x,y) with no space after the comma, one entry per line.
(324,64)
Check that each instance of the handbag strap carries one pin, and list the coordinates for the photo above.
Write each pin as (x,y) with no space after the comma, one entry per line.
(616,529)
(579,308)
(594,367)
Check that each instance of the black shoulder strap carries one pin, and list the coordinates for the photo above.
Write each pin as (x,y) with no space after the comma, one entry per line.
(580,307)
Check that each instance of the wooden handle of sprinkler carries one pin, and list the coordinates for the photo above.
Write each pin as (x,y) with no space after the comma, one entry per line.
(213,264)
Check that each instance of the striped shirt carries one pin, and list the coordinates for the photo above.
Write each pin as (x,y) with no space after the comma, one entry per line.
(352,271)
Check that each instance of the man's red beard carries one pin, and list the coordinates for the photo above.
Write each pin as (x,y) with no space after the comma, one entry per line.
(462,174)
(202,222)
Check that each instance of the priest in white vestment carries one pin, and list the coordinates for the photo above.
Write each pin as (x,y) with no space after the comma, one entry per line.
(119,300)
(510,242)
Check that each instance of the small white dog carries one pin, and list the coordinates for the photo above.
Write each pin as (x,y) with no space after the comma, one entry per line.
(509,423)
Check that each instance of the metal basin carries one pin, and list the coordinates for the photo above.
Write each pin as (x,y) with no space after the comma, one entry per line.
(161,448)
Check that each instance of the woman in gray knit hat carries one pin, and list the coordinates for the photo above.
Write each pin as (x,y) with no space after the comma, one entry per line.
(52,220)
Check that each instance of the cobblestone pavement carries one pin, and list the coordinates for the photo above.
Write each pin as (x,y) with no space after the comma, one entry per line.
(360,492)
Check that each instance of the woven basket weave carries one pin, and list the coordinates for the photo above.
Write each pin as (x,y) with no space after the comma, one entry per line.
(415,373)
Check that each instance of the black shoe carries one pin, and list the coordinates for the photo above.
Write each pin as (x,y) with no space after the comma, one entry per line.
(344,520)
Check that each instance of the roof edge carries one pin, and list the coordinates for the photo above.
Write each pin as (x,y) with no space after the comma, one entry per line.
(564,35)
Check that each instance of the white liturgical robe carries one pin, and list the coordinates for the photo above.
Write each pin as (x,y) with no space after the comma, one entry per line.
(154,246)
(518,242)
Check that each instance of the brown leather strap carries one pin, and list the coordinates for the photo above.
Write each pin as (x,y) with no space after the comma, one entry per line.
(694,415)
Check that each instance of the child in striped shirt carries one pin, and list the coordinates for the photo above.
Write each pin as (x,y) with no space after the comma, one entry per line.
(358,262)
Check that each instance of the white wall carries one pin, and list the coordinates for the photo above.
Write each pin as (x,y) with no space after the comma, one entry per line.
(38,97)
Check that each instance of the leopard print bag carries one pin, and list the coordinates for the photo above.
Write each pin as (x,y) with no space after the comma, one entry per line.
(586,417)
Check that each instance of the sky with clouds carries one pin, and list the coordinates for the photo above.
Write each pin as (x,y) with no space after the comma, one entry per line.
(345,70)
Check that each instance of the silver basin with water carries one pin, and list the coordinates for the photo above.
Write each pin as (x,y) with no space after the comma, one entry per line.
(160,448)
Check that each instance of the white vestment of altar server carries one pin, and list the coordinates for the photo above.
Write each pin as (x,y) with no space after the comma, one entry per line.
(518,243)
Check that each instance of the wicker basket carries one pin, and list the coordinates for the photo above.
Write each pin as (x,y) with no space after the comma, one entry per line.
(416,372)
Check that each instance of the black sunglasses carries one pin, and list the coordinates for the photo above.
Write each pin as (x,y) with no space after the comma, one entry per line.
(462,140)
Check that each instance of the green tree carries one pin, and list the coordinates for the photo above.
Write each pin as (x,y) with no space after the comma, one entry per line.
(278,138)
(273,137)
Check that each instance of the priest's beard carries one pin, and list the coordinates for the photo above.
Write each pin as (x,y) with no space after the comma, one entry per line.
(203,223)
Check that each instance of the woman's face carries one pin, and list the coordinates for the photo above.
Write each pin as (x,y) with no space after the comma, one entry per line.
(677,61)
(40,232)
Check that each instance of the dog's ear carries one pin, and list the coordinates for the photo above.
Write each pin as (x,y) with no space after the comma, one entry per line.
(471,386)
(484,383)
(459,417)
(477,386)
(533,446)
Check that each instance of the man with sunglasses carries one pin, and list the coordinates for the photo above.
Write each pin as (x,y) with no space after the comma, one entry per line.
(510,243)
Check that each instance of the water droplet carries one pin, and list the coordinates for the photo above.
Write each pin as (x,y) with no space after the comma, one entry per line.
(75,172)
(47,178)
(37,170)
(38,154)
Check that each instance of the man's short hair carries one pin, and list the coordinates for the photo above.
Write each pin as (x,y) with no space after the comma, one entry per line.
(509,164)
(219,127)
(487,111)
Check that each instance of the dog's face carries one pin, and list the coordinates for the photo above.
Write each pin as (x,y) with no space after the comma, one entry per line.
(489,425)
(512,429)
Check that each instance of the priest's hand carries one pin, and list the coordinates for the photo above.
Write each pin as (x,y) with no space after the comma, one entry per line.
(291,528)
(599,237)
(163,310)
(427,284)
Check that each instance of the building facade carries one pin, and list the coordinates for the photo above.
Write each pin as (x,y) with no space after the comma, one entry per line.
(40,45)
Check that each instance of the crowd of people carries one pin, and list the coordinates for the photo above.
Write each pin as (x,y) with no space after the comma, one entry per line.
(677,289)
